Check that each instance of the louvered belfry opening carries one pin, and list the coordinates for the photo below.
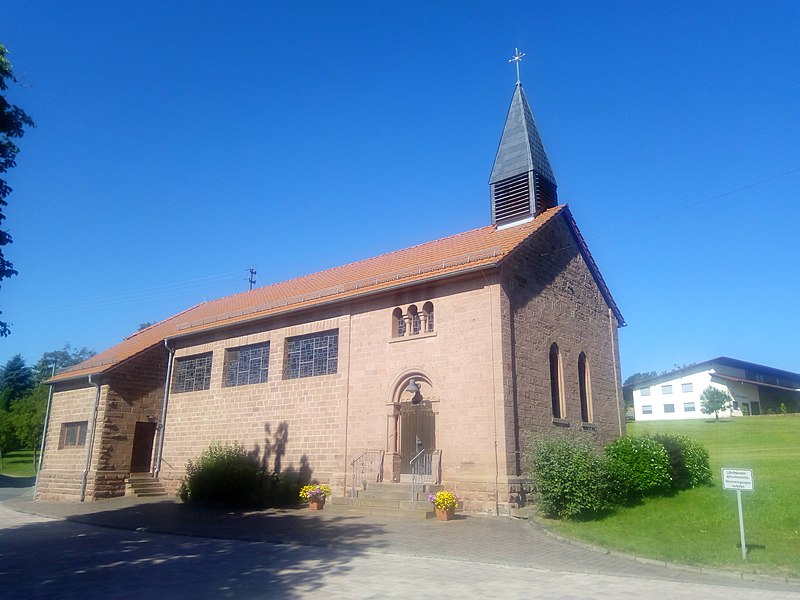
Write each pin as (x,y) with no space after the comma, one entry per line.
(511,198)
(546,194)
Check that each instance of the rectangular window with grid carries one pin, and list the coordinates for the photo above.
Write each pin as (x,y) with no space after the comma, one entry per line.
(310,355)
(647,409)
(644,391)
(687,387)
(669,408)
(666,389)
(73,434)
(192,373)
(688,407)
(246,365)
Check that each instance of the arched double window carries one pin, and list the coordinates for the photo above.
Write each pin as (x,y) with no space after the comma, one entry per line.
(585,388)
(556,383)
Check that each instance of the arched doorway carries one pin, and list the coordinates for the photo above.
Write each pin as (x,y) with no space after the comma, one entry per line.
(412,423)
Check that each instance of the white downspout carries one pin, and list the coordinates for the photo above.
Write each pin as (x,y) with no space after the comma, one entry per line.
(162,425)
(614,362)
(44,433)
(85,478)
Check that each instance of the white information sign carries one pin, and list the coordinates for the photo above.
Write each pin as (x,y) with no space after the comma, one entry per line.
(737,479)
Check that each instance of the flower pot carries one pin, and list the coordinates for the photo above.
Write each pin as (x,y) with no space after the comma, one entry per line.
(318,504)
(445,514)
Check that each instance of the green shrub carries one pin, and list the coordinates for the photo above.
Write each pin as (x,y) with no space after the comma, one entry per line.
(688,460)
(569,476)
(637,467)
(223,474)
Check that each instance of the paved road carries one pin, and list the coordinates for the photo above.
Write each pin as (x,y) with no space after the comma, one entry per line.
(50,558)
(12,487)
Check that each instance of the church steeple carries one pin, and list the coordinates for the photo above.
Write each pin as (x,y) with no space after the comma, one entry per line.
(522,183)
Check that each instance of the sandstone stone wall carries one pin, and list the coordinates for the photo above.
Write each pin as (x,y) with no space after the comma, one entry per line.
(285,424)
(133,393)
(62,467)
(550,295)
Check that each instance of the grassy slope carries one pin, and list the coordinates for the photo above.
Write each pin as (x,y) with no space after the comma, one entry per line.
(18,464)
(700,526)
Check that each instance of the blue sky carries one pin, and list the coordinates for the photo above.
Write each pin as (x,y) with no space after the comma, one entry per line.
(179,143)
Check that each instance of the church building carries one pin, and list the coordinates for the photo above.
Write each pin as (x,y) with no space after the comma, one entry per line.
(434,361)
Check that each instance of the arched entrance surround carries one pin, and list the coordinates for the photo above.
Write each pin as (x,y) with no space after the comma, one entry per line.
(411,421)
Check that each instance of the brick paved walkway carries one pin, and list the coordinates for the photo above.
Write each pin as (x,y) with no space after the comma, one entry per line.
(478,539)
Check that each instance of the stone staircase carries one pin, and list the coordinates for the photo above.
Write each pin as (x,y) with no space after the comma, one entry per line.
(388,500)
(143,485)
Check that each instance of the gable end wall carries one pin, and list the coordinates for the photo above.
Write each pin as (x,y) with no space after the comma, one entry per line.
(550,295)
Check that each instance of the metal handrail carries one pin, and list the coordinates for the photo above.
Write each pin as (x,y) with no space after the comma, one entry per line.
(361,463)
(415,472)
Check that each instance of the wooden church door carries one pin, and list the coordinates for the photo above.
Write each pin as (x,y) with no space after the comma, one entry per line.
(417,432)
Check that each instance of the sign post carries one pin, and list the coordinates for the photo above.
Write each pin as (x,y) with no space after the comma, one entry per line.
(739,480)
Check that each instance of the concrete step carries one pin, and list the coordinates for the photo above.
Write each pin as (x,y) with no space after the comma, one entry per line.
(391,495)
(386,503)
(356,509)
(143,485)
(425,488)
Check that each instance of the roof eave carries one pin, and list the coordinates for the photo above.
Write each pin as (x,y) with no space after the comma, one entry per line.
(332,301)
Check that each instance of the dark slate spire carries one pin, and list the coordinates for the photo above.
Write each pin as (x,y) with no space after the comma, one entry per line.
(522,182)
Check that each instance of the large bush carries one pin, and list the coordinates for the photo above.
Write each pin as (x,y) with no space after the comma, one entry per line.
(223,474)
(637,467)
(569,475)
(688,460)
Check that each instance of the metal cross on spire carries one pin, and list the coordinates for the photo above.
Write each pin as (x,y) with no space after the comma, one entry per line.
(515,59)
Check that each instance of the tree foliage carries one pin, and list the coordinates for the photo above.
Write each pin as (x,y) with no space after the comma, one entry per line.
(13,121)
(23,396)
(713,400)
(66,357)
(16,379)
(640,377)
(27,417)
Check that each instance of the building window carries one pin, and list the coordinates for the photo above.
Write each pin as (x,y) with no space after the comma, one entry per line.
(647,409)
(669,408)
(666,389)
(585,389)
(246,365)
(427,316)
(310,355)
(192,373)
(73,434)
(556,383)
(644,391)
(414,320)
(688,407)
(686,387)
(398,323)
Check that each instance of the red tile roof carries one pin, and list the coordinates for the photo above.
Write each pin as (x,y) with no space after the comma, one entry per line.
(448,256)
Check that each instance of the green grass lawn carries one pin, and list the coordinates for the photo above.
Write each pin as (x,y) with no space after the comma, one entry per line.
(18,464)
(701,526)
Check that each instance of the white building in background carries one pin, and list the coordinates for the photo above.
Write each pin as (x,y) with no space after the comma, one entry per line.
(754,390)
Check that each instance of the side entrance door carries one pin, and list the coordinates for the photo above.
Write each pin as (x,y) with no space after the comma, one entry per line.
(143,437)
